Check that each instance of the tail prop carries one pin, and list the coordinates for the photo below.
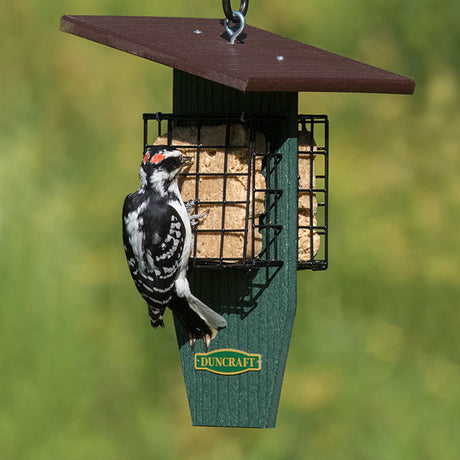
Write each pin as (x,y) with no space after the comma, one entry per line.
(199,320)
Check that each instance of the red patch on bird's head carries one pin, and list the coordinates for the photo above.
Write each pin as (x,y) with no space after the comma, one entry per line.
(154,158)
(157,158)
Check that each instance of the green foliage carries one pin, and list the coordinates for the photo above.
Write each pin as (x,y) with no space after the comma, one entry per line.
(373,371)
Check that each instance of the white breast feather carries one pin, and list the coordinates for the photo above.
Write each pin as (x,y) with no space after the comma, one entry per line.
(133,223)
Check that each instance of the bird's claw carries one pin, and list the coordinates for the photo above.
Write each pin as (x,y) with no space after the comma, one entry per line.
(206,341)
(189,206)
(194,219)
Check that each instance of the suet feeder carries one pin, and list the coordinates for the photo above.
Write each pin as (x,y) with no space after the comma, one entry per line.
(261,168)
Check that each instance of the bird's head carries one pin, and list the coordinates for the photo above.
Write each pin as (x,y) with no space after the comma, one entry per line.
(161,165)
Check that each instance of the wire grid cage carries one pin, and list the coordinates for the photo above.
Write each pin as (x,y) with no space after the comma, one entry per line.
(235,178)
(313,178)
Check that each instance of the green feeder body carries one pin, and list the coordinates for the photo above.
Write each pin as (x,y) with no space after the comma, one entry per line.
(237,382)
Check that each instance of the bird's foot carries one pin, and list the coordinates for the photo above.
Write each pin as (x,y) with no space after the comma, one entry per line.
(195,218)
(206,340)
(189,205)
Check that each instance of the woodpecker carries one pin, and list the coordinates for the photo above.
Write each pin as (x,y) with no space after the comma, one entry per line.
(157,238)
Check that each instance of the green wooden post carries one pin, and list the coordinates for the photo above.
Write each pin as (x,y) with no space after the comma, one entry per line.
(259,305)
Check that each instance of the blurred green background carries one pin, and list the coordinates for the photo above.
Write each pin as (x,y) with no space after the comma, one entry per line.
(373,371)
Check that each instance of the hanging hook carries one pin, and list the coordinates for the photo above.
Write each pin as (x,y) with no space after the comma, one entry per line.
(230,14)
(235,34)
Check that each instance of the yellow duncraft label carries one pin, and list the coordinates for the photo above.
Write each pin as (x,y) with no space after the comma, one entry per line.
(227,361)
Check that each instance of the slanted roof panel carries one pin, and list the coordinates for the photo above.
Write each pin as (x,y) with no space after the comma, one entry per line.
(248,66)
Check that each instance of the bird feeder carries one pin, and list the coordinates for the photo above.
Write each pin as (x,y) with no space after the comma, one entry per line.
(262,170)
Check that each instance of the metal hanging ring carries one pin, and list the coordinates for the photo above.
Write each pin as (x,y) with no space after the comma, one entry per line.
(230,14)
(235,34)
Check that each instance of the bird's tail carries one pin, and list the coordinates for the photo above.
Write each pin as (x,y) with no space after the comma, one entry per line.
(208,315)
(200,320)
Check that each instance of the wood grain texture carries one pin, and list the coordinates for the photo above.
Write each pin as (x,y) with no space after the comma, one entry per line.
(259,305)
(249,65)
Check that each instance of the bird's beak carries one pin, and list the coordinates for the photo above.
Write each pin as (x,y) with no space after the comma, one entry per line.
(186,160)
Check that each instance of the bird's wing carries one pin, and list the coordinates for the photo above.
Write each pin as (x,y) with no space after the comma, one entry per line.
(153,236)
(164,244)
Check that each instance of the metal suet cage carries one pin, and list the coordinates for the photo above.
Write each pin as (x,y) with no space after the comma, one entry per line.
(312,186)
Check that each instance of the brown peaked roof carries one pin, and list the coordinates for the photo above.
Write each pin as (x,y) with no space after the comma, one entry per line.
(200,47)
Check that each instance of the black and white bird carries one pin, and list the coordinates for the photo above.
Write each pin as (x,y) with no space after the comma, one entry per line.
(157,238)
